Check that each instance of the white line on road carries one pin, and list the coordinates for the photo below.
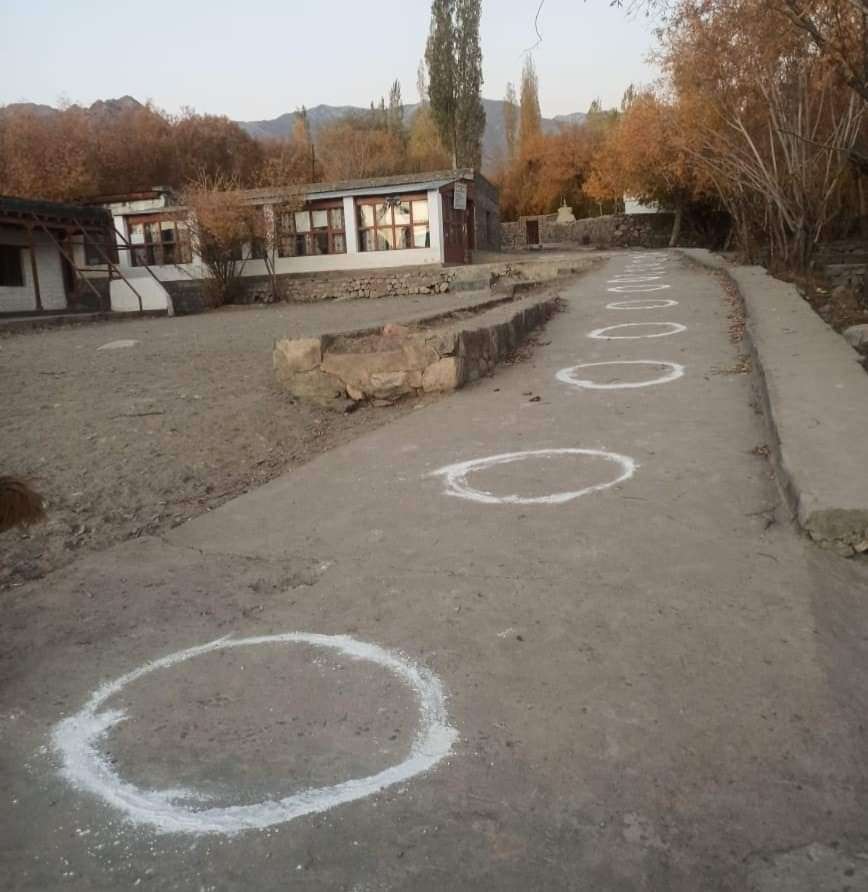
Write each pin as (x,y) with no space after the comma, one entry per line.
(600,333)
(76,740)
(637,289)
(457,485)
(659,303)
(567,376)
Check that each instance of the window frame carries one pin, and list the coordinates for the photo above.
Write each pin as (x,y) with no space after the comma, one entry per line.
(94,248)
(17,280)
(293,237)
(392,201)
(153,253)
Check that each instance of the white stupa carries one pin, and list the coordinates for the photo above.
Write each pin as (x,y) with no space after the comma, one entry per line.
(565,213)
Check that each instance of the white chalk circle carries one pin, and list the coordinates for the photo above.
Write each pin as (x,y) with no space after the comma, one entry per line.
(658,303)
(118,345)
(457,485)
(600,333)
(76,740)
(568,376)
(637,289)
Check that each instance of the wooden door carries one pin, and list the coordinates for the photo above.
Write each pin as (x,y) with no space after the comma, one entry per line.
(454,234)
(532,231)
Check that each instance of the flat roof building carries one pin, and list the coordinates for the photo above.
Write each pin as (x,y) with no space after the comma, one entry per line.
(431,218)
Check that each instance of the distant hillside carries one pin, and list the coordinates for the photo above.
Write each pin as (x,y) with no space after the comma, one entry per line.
(493,144)
(100,107)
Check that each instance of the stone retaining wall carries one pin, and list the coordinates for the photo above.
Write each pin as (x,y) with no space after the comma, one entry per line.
(383,365)
(612,231)
(850,275)
(298,288)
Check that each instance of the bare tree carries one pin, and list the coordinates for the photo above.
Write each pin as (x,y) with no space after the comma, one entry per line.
(221,224)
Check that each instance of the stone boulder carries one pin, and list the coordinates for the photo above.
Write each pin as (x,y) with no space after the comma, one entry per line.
(857,336)
(296,355)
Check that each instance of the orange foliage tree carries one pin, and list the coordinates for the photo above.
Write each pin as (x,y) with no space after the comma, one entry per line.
(644,156)
(74,153)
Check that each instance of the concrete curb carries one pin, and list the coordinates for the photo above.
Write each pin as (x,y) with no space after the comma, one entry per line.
(814,393)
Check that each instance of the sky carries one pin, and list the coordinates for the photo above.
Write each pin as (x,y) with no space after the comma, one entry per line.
(253,61)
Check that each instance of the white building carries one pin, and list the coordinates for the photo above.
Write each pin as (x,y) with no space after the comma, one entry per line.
(408,220)
(42,246)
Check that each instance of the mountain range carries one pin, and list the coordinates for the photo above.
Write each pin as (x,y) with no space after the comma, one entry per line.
(493,143)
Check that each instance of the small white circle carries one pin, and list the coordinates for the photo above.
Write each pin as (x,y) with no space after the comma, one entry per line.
(567,376)
(457,485)
(76,740)
(600,333)
(658,303)
(637,289)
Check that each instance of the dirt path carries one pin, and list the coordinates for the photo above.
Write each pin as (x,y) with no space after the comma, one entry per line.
(135,440)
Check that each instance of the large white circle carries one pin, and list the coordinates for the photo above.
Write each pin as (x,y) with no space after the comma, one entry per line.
(76,739)
(600,333)
(653,303)
(457,485)
(637,289)
(567,376)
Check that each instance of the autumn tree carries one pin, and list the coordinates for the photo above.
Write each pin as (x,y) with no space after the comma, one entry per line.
(222,225)
(395,120)
(74,153)
(773,126)
(360,145)
(453,56)
(643,157)
(425,149)
(215,146)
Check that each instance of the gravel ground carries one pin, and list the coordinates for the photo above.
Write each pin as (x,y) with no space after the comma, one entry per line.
(134,440)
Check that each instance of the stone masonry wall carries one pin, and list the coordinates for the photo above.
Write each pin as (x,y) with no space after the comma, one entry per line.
(384,365)
(191,295)
(359,283)
(612,231)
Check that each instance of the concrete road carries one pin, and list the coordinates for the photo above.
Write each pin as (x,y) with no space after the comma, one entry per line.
(650,685)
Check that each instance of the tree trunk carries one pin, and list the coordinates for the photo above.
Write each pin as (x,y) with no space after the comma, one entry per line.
(676,226)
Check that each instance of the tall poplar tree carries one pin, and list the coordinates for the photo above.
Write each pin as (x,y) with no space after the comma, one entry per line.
(454,59)
(510,121)
(530,125)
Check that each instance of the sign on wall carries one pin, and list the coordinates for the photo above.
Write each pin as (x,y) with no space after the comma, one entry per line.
(459,199)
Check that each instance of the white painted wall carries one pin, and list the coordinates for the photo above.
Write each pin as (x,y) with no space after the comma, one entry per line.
(154,296)
(632,206)
(352,260)
(49,269)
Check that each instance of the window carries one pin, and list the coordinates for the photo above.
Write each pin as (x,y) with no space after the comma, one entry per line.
(11,271)
(318,230)
(159,242)
(96,248)
(393,223)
